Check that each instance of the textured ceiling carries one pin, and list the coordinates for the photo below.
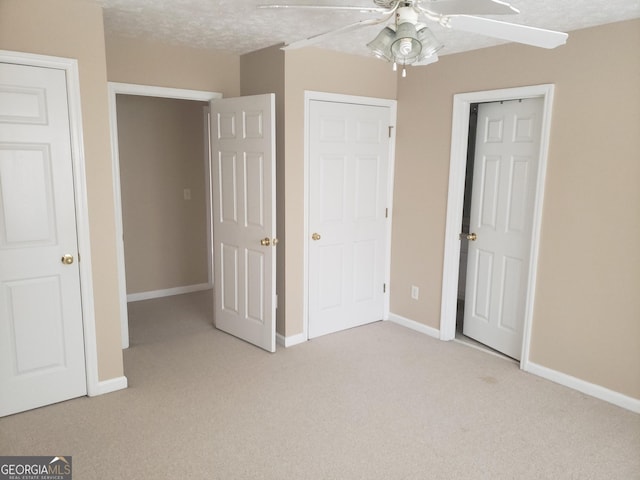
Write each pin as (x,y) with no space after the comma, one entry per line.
(238,26)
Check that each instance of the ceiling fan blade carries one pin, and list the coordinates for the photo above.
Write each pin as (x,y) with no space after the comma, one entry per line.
(468,7)
(537,37)
(347,28)
(325,7)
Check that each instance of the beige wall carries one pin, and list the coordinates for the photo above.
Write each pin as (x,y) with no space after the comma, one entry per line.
(324,71)
(587,311)
(73,29)
(263,72)
(149,63)
(161,148)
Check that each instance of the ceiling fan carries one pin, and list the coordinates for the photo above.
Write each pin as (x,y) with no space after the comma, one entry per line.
(407,40)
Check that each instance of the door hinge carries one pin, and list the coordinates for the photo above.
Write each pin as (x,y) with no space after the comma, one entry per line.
(384,288)
(386,213)
(390,130)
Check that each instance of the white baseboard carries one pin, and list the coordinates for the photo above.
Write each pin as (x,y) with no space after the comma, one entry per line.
(135,297)
(290,341)
(413,325)
(111,385)
(597,391)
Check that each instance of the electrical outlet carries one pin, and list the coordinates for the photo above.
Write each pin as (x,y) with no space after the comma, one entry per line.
(415,292)
(187,194)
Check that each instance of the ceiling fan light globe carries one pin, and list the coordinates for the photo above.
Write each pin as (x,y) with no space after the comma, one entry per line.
(430,44)
(381,45)
(406,47)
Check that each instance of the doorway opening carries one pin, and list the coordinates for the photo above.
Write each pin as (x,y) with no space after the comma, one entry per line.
(464,245)
(247,167)
(184,192)
(463,113)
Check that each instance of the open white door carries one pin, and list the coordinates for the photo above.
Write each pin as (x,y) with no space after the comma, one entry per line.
(42,356)
(502,202)
(244,220)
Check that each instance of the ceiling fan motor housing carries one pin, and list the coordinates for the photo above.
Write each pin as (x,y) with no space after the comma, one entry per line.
(406,15)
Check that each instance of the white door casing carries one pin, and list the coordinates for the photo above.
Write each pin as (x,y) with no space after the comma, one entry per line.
(42,354)
(459,137)
(244,220)
(504,178)
(348,213)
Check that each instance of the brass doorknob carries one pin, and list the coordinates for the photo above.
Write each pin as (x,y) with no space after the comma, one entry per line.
(265,242)
(472,237)
(67,259)
(315,236)
(274,242)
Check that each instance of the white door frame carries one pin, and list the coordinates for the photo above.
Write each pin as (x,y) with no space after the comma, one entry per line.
(70,66)
(116,88)
(310,96)
(459,137)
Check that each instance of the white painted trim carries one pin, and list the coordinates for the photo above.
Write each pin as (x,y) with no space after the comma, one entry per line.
(310,96)
(208,189)
(413,325)
(545,135)
(459,136)
(116,88)
(390,183)
(163,92)
(168,292)
(70,66)
(591,389)
(111,385)
(290,341)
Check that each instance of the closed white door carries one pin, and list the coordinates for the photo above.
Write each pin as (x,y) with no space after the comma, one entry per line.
(41,331)
(504,184)
(348,171)
(244,220)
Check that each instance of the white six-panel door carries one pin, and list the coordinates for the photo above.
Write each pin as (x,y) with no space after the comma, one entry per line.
(348,171)
(244,221)
(504,184)
(41,330)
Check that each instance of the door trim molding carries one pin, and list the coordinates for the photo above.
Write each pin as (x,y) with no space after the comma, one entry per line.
(458,161)
(116,88)
(70,66)
(310,96)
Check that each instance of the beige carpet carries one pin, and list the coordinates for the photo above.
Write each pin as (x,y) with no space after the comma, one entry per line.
(375,402)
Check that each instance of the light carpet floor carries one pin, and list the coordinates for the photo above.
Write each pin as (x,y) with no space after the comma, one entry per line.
(375,402)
